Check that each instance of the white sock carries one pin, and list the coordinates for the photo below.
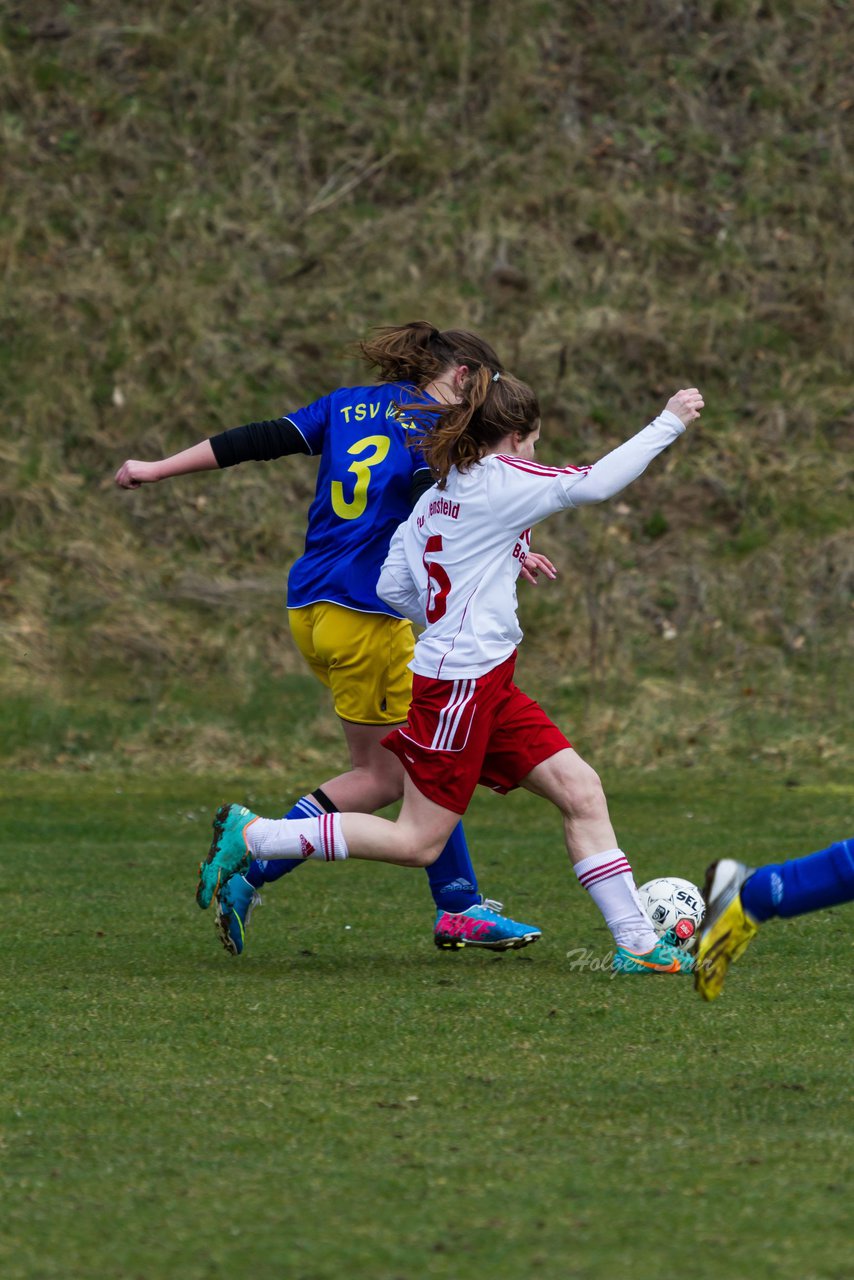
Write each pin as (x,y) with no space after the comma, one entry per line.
(308,807)
(321,837)
(608,879)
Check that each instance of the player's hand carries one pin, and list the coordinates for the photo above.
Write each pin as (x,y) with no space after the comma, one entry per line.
(132,474)
(536,564)
(686,405)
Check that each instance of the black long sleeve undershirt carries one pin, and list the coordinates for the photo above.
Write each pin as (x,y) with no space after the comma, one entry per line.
(258,442)
(422,480)
(277,438)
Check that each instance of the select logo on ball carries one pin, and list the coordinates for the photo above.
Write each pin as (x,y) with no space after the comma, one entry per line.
(675,907)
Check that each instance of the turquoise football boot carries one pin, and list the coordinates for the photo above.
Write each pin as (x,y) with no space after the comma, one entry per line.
(663,958)
(228,853)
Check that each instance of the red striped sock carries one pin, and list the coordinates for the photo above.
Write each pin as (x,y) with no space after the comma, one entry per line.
(608,879)
(272,838)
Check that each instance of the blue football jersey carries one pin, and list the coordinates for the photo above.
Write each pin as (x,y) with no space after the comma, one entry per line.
(362,495)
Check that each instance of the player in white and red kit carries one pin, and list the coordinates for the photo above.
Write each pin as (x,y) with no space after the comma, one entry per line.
(452,566)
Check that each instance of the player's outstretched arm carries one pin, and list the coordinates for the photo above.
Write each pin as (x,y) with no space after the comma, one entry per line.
(199,457)
(624,464)
(686,404)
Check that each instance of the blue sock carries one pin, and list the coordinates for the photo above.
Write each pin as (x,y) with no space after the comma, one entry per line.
(266,872)
(453,882)
(822,879)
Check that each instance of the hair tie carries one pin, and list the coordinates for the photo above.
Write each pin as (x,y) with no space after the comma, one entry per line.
(496,376)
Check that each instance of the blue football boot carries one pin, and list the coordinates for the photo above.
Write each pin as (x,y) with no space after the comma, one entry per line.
(482,925)
(235,902)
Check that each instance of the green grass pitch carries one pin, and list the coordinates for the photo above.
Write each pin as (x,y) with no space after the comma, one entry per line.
(344,1100)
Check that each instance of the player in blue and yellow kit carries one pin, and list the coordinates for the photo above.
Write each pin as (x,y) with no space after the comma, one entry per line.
(739,898)
(368,480)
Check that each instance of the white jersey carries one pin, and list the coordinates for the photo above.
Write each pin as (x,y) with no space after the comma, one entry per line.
(452,566)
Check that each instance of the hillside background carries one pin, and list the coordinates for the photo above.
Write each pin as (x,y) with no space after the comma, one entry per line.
(205,204)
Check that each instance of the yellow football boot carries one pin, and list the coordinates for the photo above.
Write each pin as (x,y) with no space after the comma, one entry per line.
(727,929)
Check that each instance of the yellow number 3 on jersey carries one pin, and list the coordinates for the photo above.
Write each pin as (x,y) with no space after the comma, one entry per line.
(377,447)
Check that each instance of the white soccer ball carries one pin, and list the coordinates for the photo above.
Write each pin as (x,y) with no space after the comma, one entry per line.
(674,904)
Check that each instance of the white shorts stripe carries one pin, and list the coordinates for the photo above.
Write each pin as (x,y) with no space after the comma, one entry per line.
(440,737)
(453,727)
(449,720)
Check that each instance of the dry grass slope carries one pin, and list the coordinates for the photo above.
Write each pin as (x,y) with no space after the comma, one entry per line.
(204,203)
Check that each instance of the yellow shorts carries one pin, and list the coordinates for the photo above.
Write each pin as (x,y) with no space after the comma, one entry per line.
(361,657)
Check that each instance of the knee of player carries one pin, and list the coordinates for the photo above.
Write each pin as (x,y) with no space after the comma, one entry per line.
(585,793)
(383,785)
(417,854)
(424,857)
(390,793)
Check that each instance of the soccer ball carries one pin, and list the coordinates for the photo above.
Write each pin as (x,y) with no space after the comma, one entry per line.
(674,904)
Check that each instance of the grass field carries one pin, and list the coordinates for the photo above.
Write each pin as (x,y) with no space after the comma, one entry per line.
(346,1101)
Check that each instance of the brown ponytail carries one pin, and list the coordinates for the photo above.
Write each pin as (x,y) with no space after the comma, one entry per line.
(418,352)
(490,408)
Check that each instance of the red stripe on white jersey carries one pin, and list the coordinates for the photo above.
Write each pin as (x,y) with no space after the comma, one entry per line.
(538,469)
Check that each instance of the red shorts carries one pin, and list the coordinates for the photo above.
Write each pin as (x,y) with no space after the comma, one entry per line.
(463,732)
